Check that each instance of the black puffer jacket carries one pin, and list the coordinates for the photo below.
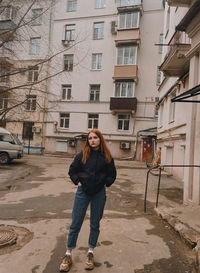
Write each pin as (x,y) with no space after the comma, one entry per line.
(94,174)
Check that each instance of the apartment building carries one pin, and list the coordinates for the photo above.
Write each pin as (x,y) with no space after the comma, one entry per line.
(110,75)
(24,51)
(178,126)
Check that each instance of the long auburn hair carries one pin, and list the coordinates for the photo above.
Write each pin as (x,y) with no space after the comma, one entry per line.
(103,147)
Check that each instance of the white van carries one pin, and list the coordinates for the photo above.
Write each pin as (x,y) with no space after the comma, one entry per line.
(10,146)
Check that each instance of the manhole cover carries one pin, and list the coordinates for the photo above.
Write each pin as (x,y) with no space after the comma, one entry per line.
(7,236)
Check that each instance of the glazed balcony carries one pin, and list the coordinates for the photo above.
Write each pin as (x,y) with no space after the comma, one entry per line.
(175,63)
(127,36)
(179,3)
(129,5)
(123,104)
(125,72)
(7,22)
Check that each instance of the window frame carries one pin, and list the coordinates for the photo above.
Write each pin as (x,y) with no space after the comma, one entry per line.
(126,14)
(3,15)
(121,89)
(68,94)
(93,118)
(37,18)
(100,4)
(98,61)
(71,5)
(122,121)
(124,3)
(98,32)
(96,93)
(70,32)
(33,74)
(69,63)
(35,45)
(31,103)
(65,120)
(124,53)
(3,101)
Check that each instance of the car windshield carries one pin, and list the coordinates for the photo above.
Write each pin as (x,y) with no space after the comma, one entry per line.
(16,139)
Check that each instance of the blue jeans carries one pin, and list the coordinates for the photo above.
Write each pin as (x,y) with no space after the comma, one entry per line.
(81,202)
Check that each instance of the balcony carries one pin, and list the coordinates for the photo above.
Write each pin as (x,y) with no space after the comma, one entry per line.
(125,72)
(127,36)
(121,104)
(175,63)
(130,5)
(6,57)
(179,3)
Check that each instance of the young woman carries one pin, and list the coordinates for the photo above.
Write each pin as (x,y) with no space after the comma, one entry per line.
(91,171)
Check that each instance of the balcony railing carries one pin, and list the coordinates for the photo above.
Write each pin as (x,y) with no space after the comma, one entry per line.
(175,62)
(179,3)
(125,72)
(119,104)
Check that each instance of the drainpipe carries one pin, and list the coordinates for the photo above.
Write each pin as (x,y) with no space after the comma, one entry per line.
(45,102)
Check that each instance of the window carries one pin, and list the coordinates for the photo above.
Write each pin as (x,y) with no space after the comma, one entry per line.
(4,73)
(27,130)
(64,120)
(71,5)
(158,78)
(33,73)
(98,31)
(93,120)
(96,61)
(3,101)
(31,102)
(130,2)
(126,55)
(100,4)
(68,62)
(36,17)
(160,114)
(124,89)
(6,13)
(94,92)
(172,108)
(123,122)
(7,49)
(66,92)
(128,20)
(70,32)
(35,46)
(161,43)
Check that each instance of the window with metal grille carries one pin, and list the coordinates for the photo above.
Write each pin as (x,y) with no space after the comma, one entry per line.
(93,120)
(64,120)
(98,30)
(94,92)
(123,122)
(27,130)
(31,102)
(68,62)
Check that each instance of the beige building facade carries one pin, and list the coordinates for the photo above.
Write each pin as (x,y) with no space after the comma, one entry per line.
(24,52)
(110,76)
(178,125)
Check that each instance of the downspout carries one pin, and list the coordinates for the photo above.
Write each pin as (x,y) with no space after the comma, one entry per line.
(45,101)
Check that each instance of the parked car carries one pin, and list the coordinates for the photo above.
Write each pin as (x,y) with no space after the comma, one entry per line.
(10,146)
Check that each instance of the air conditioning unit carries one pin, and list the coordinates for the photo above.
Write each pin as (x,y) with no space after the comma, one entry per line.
(125,145)
(36,129)
(72,142)
(113,27)
(65,42)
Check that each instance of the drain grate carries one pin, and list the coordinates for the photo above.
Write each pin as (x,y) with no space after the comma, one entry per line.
(7,236)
